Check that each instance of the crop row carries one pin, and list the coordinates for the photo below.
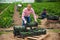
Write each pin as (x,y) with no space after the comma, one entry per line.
(6,18)
(3,6)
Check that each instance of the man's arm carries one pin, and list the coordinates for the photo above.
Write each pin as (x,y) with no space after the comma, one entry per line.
(34,14)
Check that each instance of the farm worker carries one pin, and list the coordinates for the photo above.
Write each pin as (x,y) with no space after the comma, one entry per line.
(26,14)
(44,14)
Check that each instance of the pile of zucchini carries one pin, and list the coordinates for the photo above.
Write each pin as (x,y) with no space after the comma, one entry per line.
(31,24)
(52,17)
(23,32)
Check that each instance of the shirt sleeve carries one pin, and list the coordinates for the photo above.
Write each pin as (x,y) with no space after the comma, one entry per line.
(34,13)
(23,13)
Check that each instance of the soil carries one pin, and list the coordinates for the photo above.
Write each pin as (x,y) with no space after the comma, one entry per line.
(53,36)
(16,17)
(46,24)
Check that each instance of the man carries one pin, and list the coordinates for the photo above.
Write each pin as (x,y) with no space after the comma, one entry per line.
(44,13)
(26,14)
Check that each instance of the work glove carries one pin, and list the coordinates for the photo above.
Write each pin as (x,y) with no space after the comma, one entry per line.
(25,22)
(35,20)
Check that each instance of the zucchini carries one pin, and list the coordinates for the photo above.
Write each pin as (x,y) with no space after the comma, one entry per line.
(31,24)
(18,30)
(52,17)
(39,31)
(24,34)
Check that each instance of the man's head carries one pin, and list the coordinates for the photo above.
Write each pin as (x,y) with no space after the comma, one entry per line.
(44,10)
(29,6)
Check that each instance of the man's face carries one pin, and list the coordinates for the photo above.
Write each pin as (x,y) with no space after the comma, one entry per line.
(28,6)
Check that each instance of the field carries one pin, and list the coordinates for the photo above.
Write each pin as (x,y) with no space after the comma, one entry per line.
(3,6)
(53,8)
(7,20)
(6,17)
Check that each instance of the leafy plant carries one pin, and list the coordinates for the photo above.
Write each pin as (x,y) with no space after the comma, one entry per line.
(3,6)
(6,18)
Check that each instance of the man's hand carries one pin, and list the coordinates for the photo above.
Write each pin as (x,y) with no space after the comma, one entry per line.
(25,22)
(35,20)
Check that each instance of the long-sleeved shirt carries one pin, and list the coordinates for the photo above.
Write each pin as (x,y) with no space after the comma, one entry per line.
(27,13)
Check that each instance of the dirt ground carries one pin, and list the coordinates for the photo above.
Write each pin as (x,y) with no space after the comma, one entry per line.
(53,36)
(46,24)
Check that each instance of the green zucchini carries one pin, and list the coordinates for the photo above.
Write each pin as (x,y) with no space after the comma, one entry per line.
(52,17)
(31,24)
(18,30)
